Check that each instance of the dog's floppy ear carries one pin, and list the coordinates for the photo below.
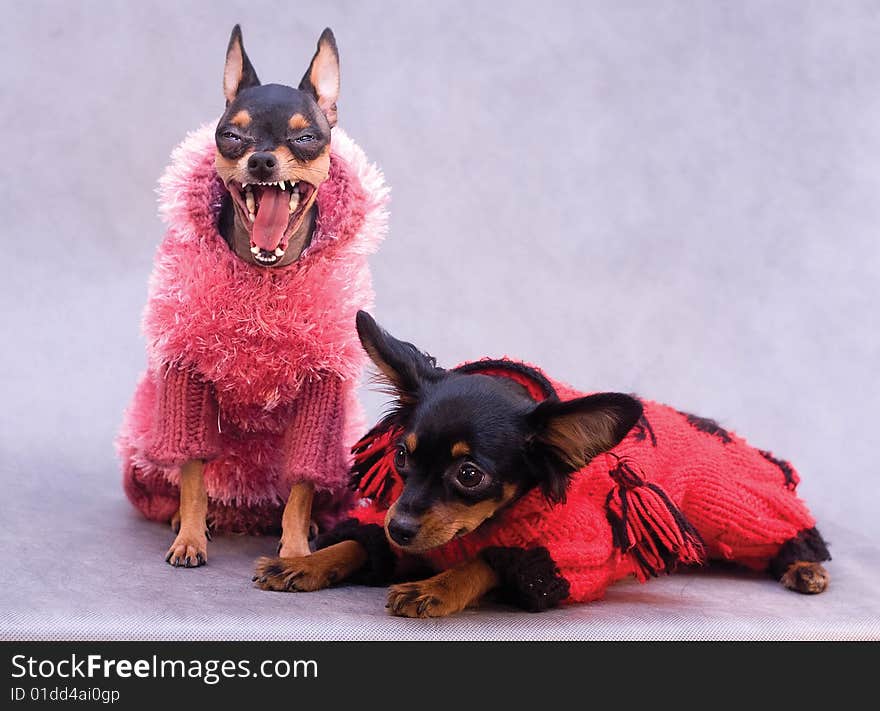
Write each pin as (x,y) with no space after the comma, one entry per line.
(238,73)
(321,79)
(403,366)
(565,436)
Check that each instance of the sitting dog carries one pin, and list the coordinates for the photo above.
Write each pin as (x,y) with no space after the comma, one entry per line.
(506,481)
(253,360)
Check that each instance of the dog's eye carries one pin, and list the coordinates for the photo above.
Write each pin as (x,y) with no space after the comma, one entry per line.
(400,458)
(469,477)
(305,138)
(230,136)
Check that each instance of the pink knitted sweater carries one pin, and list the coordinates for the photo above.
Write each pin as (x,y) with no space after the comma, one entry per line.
(252,369)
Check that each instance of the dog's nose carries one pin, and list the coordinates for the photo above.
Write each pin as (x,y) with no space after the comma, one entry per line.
(262,164)
(402,530)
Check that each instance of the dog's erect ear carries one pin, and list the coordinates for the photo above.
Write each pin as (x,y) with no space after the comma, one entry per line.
(403,366)
(239,72)
(321,79)
(565,436)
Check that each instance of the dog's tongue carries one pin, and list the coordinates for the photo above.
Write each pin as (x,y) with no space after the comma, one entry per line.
(271,219)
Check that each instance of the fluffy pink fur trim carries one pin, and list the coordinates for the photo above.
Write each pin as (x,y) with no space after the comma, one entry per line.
(257,333)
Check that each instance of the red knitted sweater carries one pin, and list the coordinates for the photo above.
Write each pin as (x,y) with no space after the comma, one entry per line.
(678,488)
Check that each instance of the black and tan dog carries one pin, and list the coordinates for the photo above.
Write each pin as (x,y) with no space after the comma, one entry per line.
(509,482)
(273,153)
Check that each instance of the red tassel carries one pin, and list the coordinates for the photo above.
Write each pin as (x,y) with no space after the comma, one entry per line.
(373,472)
(646,523)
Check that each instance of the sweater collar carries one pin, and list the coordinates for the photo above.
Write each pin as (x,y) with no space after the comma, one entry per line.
(533,380)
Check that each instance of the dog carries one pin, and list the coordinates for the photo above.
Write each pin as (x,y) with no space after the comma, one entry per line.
(510,483)
(253,355)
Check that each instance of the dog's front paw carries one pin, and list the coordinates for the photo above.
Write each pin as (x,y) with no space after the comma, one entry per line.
(188,550)
(301,574)
(426,598)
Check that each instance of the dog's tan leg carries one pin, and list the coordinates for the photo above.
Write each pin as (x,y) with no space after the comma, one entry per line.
(321,569)
(445,594)
(296,521)
(806,577)
(175,525)
(190,548)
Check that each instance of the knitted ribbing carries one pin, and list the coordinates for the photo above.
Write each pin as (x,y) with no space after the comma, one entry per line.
(186,418)
(313,446)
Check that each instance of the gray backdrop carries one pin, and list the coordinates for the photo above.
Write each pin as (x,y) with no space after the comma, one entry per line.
(672,198)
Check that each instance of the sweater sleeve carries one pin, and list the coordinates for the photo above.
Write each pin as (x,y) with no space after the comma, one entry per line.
(186,418)
(313,444)
(528,577)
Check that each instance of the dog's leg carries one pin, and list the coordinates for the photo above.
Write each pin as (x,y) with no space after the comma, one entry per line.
(307,573)
(175,525)
(296,521)
(798,564)
(190,548)
(445,594)
(806,577)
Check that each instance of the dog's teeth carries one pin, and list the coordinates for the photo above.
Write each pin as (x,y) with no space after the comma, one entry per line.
(255,250)
(281,184)
(244,185)
(294,201)
(279,252)
(251,203)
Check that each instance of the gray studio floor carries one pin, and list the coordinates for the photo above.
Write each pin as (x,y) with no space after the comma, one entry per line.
(97,573)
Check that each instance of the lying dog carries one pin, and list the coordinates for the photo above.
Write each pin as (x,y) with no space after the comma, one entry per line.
(508,482)
(250,392)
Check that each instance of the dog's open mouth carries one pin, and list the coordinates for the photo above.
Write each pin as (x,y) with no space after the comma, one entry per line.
(271,213)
